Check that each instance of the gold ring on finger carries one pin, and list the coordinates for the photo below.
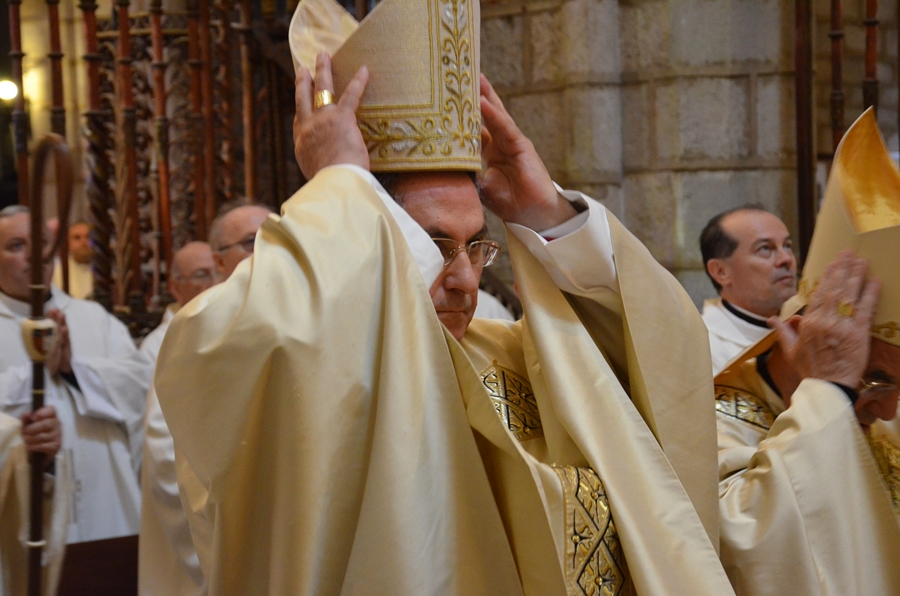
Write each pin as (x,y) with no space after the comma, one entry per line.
(323,98)
(846,309)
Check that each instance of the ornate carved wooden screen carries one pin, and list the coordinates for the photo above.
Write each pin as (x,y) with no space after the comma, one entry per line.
(205,120)
(186,110)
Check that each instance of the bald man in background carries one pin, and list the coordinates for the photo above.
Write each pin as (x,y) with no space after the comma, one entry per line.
(167,560)
(233,233)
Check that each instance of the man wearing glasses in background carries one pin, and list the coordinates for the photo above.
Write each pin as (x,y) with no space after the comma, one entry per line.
(167,560)
(233,233)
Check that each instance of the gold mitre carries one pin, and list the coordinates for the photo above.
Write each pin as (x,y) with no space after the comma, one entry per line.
(861,212)
(421,108)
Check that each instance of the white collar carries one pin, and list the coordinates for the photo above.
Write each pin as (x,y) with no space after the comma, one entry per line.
(11,307)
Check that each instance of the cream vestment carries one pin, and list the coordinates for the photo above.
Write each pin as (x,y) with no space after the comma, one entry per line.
(14,520)
(804,507)
(338,440)
(167,559)
(81,278)
(102,419)
(729,335)
(489,307)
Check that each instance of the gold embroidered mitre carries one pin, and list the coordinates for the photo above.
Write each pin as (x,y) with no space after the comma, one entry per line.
(421,108)
(861,212)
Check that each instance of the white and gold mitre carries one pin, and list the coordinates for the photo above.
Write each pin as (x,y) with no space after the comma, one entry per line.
(861,212)
(421,108)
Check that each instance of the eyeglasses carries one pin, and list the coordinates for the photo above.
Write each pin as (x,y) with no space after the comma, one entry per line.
(481,253)
(247,244)
(201,276)
(877,389)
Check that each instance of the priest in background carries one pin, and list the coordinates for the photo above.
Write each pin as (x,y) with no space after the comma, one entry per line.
(809,474)
(167,559)
(748,255)
(96,380)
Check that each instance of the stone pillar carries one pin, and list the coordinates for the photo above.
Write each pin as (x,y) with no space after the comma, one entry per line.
(555,64)
(708,123)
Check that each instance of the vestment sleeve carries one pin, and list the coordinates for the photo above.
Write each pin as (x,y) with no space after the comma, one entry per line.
(805,511)
(426,254)
(578,254)
(15,386)
(113,386)
(315,403)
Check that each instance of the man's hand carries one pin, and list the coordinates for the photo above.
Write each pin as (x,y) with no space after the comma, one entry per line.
(59,360)
(41,431)
(515,185)
(833,339)
(329,135)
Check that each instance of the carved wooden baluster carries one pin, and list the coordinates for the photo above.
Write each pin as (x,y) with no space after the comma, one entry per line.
(127,232)
(806,197)
(100,169)
(837,90)
(245,28)
(162,132)
(273,132)
(222,105)
(870,83)
(57,109)
(19,117)
(195,53)
(209,125)
(269,10)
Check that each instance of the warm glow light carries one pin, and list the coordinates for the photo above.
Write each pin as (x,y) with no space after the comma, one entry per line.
(8,90)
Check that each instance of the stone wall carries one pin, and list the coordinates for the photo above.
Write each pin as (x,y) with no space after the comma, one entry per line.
(708,120)
(556,65)
(668,111)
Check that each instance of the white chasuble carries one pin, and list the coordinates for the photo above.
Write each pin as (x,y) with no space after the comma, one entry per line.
(101,417)
(805,508)
(337,440)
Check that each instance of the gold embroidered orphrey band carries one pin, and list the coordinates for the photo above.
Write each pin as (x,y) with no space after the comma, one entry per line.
(744,406)
(887,456)
(452,135)
(595,562)
(514,402)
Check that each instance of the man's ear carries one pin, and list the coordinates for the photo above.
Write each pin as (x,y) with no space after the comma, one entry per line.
(220,264)
(172,288)
(718,269)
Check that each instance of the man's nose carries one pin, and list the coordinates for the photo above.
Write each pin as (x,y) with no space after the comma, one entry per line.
(461,275)
(786,258)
